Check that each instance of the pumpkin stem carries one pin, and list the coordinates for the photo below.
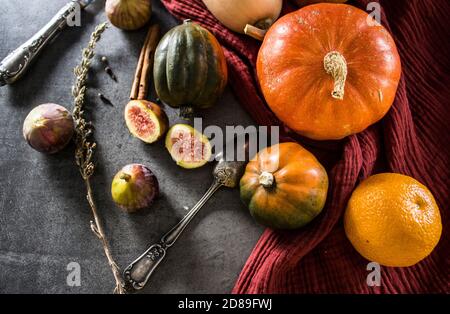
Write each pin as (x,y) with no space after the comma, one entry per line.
(125,176)
(334,64)
(266,179)
(186,112)
(255,32)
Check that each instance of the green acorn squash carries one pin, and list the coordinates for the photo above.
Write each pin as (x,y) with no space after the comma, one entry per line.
(190,69)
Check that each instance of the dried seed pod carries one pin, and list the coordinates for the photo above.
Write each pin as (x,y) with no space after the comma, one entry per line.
(104,99)
(110,73)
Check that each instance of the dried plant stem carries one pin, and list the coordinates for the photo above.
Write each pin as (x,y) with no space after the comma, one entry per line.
(85,147)
(97,228)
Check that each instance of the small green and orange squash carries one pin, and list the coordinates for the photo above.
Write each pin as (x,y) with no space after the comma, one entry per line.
(190,69)
(284,186)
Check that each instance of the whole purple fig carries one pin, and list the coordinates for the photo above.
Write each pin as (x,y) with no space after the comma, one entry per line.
(128,14)
(134,187)
(48,128)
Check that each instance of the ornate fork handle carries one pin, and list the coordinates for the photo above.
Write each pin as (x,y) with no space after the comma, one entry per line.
(138,272)
(18,61)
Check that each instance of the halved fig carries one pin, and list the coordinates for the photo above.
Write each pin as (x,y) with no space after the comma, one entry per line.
(146,120)
(188,147)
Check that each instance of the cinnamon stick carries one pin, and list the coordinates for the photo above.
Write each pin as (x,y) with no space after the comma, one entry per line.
(147,66)
(137,75)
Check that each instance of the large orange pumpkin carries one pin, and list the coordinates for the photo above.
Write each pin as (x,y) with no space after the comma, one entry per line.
(284,186)
(328,70)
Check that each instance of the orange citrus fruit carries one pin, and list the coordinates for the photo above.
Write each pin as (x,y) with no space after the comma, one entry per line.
(393,219)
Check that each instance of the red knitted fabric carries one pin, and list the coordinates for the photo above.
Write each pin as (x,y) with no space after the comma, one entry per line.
(413,139)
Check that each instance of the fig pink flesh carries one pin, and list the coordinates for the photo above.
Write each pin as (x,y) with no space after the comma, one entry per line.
(144,125)
(187,147)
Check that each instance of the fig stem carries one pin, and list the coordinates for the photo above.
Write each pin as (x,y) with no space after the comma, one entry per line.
(125,176)
(186,112)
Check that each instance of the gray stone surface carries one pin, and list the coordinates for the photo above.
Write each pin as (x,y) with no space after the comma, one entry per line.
(44,217)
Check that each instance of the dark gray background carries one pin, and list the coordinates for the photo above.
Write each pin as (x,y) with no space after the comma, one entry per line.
(44,217)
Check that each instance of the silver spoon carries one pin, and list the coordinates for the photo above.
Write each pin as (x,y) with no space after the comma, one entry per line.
(136,275)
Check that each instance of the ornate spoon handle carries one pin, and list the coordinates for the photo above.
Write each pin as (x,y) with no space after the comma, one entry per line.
(138,272)
(18,61)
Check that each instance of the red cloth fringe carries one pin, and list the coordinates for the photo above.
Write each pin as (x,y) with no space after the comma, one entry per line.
(413,139)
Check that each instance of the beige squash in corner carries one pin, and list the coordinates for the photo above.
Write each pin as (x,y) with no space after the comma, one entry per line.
(237,14)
